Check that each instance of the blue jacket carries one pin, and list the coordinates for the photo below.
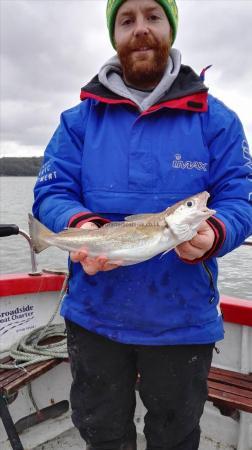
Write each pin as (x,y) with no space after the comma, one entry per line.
(108,160)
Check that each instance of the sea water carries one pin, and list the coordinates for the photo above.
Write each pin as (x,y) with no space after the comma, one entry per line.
(16,198)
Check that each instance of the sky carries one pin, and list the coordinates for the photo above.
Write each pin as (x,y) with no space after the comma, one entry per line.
(51,48)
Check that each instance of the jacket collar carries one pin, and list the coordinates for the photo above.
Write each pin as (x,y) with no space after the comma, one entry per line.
(188,92)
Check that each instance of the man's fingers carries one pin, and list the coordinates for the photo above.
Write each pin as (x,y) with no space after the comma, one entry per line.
(188,251)
(90,266)
(109,266)
(78,256)
(191,256)
(199,245)
(93,265)
(101,261)
(197,241)
(177,251)
(101,264)
(89,270)
(184,247)
(89,226)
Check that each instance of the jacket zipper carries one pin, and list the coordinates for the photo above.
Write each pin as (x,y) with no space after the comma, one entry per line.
(210,275)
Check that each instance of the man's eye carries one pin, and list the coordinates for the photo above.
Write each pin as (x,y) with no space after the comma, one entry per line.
(126,22)
(153,18)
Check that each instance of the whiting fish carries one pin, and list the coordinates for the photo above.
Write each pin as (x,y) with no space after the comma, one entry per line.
(138,238)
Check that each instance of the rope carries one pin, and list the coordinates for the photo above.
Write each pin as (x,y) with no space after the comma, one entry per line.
(35,406)
(27,350)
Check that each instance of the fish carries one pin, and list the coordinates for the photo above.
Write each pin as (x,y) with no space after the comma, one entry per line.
(137,238)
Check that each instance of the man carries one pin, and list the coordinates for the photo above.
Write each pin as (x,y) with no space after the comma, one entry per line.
(146,135)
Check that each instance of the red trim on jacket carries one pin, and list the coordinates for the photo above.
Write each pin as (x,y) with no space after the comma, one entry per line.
(99,221)
(79,219)
(219,229)
(194,102)
(111,101)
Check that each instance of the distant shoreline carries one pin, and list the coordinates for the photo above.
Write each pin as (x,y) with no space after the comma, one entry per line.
(20,167)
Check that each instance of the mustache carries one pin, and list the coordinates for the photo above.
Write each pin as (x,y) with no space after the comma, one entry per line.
(135,44)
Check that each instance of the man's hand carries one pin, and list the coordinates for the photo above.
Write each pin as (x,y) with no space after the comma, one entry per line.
(197,246)
(92,265)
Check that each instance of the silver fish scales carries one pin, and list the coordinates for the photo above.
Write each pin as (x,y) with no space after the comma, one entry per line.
(136,239)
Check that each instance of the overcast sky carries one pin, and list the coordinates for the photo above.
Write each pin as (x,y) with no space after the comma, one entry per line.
(51,48)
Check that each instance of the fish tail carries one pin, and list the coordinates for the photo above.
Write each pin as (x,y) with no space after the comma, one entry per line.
(38,234)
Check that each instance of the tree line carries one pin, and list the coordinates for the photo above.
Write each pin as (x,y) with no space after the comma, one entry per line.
(21,167)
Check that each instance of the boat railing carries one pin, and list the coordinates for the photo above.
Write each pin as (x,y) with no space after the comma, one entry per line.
(12,230)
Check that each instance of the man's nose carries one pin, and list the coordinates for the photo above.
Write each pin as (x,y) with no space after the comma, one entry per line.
(141,27)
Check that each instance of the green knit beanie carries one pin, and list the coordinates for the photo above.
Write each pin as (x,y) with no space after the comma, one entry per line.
(169,6)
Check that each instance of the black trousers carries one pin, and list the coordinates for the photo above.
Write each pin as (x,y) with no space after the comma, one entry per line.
(173,388)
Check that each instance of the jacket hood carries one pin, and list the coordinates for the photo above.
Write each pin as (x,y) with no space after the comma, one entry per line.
(187,92)
(111,77)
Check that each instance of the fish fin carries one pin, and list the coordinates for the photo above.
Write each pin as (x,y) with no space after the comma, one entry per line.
(111,225)
(138,217)
(68,231)
(180,231)
(38,234)
(164,253)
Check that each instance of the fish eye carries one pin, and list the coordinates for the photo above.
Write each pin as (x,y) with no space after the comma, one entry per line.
(190,203)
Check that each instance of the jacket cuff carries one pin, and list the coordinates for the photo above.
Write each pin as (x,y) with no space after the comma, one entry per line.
(79,219)
(220,235)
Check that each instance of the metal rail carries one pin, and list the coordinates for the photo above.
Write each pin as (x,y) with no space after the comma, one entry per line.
(12,230)
(34,264)
(247,243)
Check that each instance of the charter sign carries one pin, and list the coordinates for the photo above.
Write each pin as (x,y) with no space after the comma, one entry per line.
(18,318)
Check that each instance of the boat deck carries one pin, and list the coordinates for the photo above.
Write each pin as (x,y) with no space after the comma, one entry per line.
(71,440)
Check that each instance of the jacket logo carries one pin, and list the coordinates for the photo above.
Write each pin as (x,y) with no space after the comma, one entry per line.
(46,173)
(178,163)
(248,163)
(247,157)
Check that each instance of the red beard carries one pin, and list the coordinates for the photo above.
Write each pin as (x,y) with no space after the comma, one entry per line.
(146,71)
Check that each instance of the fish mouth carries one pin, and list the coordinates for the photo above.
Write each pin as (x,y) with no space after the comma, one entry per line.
(203,198)
(208,212)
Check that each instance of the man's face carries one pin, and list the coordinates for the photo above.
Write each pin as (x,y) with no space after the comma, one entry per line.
(143,41)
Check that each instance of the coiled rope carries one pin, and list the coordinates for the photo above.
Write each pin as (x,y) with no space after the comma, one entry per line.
(29,349)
